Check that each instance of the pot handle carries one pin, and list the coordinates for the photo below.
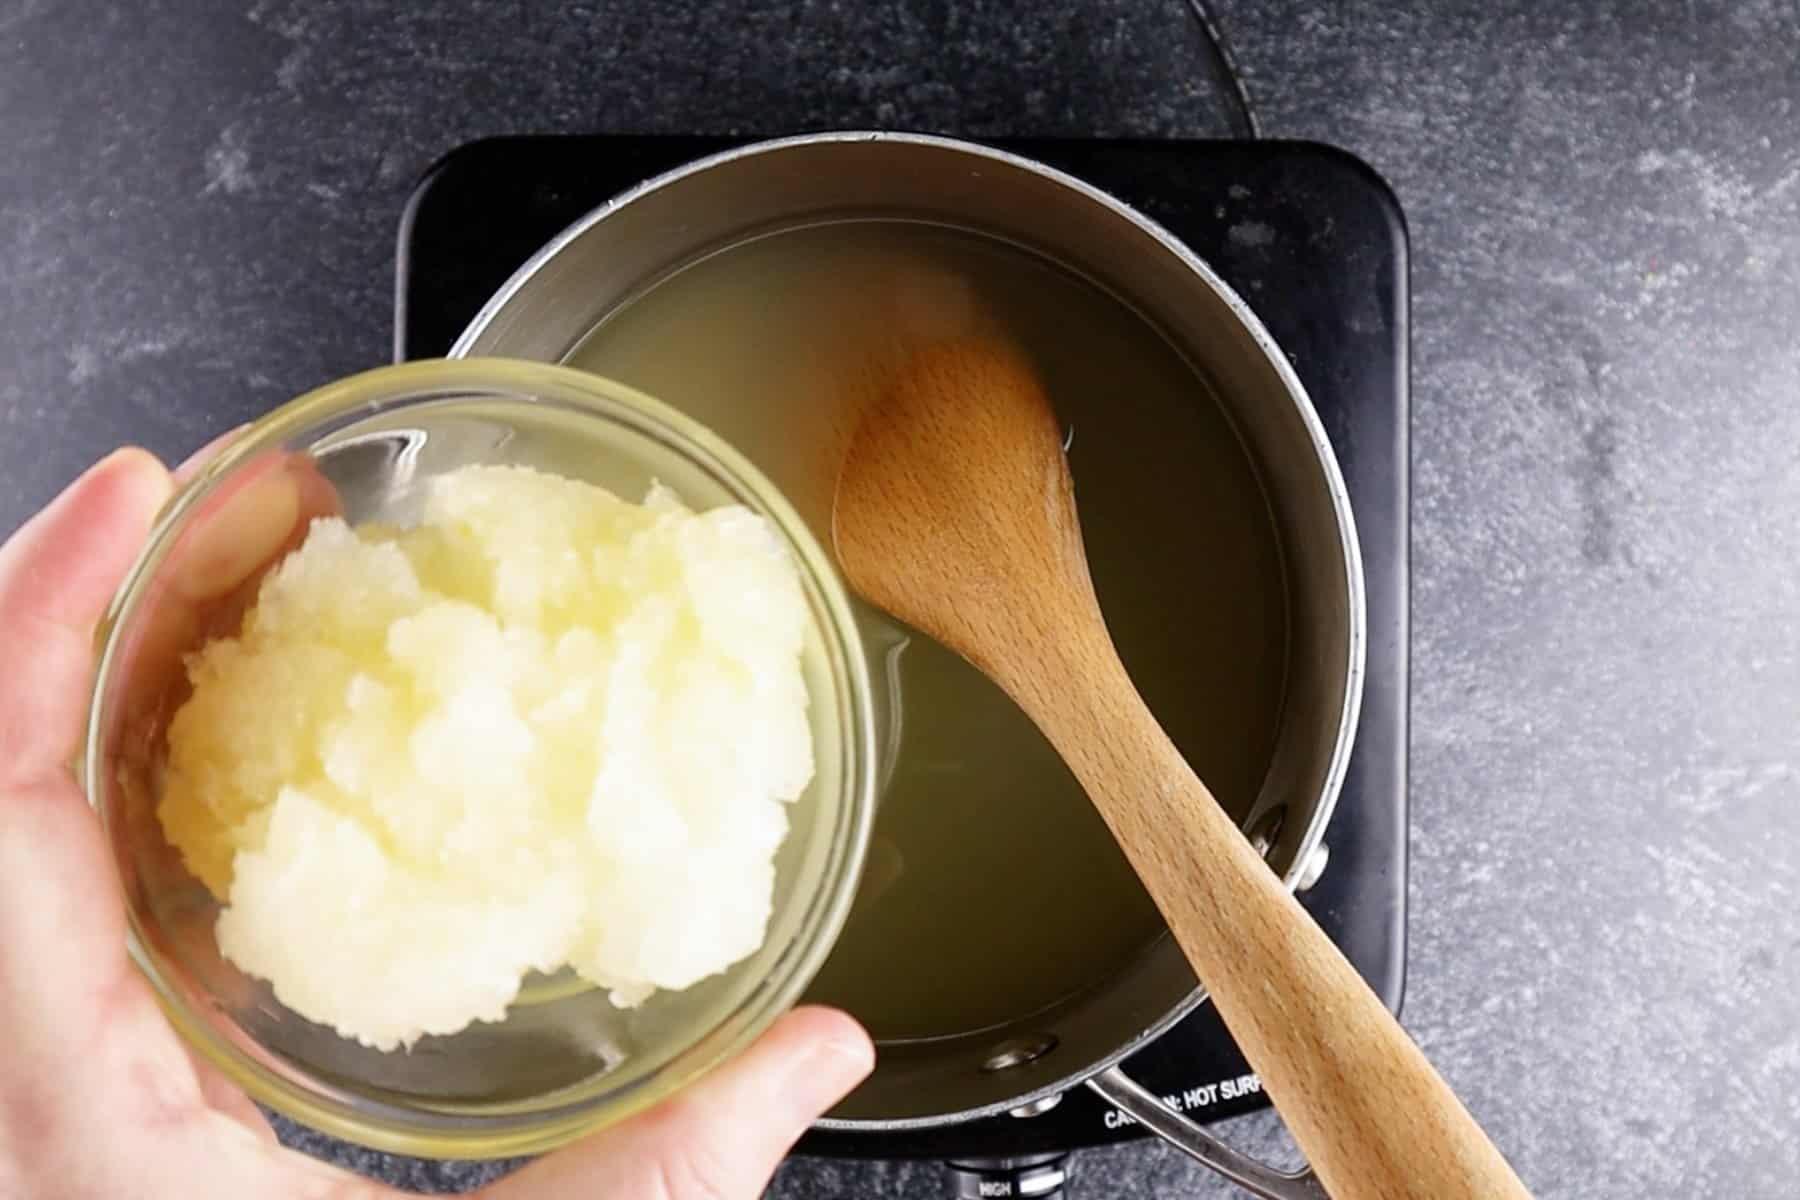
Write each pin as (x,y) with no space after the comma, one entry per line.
(1136,1101)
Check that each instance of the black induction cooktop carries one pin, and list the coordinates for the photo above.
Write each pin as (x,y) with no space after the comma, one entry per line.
(1315,242)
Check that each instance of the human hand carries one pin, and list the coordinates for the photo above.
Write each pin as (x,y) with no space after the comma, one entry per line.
(99,1098)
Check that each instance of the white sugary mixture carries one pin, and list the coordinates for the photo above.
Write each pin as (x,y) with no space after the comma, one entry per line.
(545,727)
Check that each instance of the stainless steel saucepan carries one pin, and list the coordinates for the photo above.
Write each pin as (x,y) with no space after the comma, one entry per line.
(642,236)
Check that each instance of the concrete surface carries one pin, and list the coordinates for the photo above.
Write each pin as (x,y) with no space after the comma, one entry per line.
(197,220)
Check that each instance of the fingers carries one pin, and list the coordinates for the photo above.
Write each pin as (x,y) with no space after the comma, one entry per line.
(236,531)
(60,910)
(723,1138)
(57,574)
(61,925)
(207,582)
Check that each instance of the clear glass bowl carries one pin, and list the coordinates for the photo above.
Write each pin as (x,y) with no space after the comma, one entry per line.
(565,1061)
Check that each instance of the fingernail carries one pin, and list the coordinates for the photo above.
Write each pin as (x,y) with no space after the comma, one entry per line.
(190,466)
(123,454)
(826,1073)
(128,458)
(130,466)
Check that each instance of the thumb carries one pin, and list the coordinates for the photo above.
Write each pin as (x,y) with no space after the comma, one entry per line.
(56,575)
(722,1138)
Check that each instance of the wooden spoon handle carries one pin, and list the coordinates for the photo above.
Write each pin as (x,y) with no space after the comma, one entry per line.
(1372,1116)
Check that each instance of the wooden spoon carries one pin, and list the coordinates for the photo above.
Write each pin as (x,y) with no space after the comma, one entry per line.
(954,511)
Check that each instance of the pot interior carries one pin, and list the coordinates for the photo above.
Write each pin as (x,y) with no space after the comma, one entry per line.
(1001,947)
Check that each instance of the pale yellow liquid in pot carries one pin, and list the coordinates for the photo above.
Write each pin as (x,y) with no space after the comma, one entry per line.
(993,890)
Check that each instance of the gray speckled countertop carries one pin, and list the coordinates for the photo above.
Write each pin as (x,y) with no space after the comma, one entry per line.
(197,221)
